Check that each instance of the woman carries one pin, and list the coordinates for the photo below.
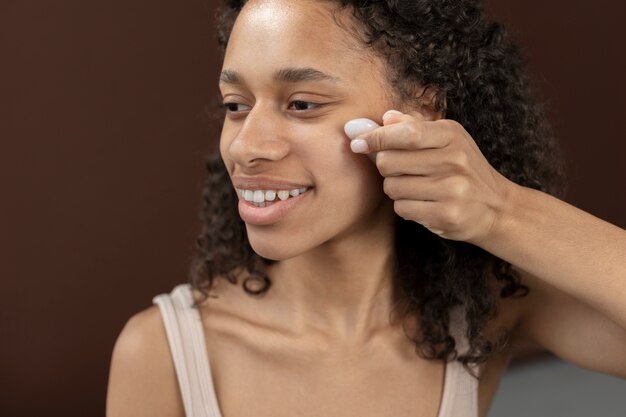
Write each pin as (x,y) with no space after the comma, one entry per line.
(340,287)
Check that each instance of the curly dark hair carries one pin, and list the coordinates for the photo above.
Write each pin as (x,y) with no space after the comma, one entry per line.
(479,79)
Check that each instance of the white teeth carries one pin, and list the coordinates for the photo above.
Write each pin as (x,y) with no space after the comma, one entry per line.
(259,196)
(270,195)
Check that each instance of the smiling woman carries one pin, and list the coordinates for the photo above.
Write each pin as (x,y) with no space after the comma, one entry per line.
(328,285)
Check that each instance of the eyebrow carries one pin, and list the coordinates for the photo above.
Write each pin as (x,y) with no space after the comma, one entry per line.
(287,75)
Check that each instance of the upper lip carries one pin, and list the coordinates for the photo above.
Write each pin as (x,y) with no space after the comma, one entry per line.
(266,183)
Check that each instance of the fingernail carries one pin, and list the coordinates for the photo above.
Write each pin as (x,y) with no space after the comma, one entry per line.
(358,127)
(359,146)
(390,112)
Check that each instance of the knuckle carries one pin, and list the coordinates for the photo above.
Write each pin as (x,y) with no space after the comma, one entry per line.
(459,159)
(451,216)
(381,162)
(390,187)
(452,126)
(414,131)
(460,187)
(377,142)
(412,128)
(400,207)
(454,131)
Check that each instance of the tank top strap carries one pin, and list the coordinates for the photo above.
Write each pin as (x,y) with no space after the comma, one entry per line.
(183,326)
(460,392)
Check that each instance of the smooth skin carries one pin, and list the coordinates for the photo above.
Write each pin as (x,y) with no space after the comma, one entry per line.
(321,341)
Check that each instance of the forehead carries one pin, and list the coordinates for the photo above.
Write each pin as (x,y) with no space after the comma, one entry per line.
(283,33)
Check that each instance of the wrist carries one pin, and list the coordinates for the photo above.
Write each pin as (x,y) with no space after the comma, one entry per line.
(504,214)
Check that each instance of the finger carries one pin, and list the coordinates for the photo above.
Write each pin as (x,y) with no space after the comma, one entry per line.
(361,126)
(411,187)
(417,211)
(395,116)
(410,135)
(356,127)
(432,215)
(392,163)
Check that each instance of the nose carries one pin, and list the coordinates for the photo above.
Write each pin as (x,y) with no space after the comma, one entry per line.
(259,139)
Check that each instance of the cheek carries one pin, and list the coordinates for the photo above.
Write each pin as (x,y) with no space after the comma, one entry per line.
(346,179)
(323,145)
(334,167)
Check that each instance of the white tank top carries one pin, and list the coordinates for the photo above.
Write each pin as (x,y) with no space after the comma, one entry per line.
(185,335)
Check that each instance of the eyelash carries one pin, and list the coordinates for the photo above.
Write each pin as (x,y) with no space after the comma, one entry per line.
(232,107)
(229,107)
(315,105)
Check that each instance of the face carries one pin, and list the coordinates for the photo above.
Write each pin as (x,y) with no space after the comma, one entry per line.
(292,77)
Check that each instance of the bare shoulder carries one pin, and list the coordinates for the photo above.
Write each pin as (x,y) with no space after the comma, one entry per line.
(142,379)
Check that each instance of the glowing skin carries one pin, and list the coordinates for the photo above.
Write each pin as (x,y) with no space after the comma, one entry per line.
(292,131)
(336,245)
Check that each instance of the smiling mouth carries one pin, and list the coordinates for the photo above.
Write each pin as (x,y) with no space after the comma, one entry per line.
(264,198)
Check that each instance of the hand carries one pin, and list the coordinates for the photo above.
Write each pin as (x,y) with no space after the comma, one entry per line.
(436,175)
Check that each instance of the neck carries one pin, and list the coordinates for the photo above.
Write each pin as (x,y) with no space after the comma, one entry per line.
(342,290)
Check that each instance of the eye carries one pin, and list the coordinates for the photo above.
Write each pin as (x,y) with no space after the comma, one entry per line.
(235,107)
(300,105)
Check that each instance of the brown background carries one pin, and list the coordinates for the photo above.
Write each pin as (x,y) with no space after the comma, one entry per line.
(104,133)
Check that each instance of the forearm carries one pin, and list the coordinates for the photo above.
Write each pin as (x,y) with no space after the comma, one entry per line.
(570,249)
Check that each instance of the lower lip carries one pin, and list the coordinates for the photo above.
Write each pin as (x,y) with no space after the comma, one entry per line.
(263,216)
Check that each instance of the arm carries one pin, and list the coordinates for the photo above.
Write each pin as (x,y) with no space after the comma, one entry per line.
(554,320)
(566,247)
(574,263)
(142,380)
(575,267)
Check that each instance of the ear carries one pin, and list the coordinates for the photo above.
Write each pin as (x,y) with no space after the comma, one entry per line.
(426,103)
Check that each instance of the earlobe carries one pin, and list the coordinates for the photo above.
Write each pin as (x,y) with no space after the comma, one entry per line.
(427,104)
(425,112)
(429,113)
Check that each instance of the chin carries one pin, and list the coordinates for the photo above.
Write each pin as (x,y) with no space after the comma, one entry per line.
(275,249)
